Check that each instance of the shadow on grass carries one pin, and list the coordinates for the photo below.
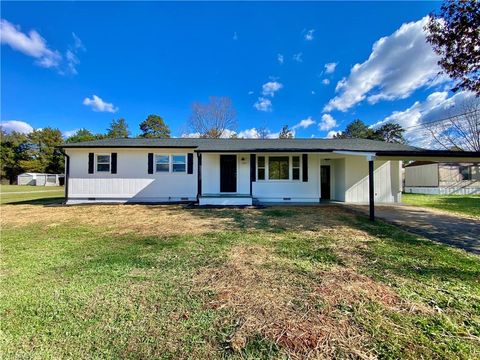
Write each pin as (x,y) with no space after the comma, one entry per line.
(414,257)
(41,201)
(462,204)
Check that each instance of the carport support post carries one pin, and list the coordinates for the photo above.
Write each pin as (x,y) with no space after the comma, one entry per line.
(371,189)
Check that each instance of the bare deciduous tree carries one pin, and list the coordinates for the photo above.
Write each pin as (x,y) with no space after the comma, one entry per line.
(460,131)
(263,132)
(211,119)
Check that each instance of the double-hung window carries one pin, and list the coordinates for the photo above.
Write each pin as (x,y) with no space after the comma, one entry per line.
(162,163)
(295,167)
(261,168)
(170,163)
(179,163)
(103,163)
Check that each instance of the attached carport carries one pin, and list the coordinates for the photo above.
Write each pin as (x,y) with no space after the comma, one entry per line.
(417,155)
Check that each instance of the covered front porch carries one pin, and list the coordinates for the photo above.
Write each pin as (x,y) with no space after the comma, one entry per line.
(292,178)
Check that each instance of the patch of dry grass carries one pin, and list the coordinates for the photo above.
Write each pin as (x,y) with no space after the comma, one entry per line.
(165,220)
(302,315)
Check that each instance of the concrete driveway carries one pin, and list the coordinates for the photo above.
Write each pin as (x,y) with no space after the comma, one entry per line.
(440,227)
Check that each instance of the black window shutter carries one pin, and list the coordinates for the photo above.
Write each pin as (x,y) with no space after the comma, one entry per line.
(91,162)
(189,163)
(113,169)
(150,163)
(253,160)
(305,167)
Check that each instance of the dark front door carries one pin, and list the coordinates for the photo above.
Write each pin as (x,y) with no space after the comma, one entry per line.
(228,173)
(325,182)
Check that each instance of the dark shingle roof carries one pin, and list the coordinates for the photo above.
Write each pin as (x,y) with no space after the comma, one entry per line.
(245,145)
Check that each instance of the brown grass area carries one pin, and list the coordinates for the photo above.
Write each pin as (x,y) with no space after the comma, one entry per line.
(298,314)
(115,219)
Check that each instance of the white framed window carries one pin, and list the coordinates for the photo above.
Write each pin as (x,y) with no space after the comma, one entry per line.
(296,167)
(162,163)
(279,168)
(179,163)
(103,162)
(261,168)
(166,163)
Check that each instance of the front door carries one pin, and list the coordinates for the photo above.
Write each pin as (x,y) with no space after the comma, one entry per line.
(228,173)
(325,182)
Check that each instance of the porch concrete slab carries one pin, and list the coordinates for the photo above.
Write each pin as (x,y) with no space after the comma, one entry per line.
(460,232)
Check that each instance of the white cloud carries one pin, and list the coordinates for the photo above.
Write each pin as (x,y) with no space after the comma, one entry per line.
(435,107)
(97,104)
(331,134)
(330,68)
(298,57)
(305,123)
(255,133)
(252,133)
(31,44)
(34,45)
(263,104)
(313,92)
(190,135)
(270,88)
(15,125)
(71,57)
(280,58)
(68,133)
(235,36)
(309,35)
(325,81)
(327,122)
(250,92)
(398,65)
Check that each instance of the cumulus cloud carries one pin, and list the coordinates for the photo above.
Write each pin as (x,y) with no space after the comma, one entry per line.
(263,104)
(398,65)
(34,45)
(325,81)
(68,133)
(31,44)
(17,126)
(436,106)
(309,35)
(298,57)
(327,122)
(270,88)
(331,134)
(252,133)
(305,123)
(97,104)
(330,68)
(280,58)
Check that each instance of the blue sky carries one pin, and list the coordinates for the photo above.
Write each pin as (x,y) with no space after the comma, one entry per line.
(155,57)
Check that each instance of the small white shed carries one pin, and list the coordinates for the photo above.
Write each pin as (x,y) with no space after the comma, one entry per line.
(39,179)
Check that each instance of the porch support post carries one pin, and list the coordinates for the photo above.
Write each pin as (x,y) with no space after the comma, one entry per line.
(371,189)
(199,175)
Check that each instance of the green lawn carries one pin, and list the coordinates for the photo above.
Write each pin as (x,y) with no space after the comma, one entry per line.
(167,282)
(19,194)
(459,204)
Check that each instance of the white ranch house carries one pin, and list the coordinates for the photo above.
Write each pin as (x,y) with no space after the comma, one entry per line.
(239,171)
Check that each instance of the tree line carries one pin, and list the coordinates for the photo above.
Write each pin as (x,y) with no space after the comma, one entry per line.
(38,151)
